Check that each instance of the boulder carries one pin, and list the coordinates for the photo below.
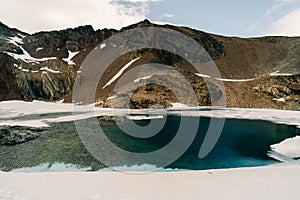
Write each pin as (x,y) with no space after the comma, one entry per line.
(12,135)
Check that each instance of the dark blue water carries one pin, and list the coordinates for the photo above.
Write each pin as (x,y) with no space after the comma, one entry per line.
(243,143)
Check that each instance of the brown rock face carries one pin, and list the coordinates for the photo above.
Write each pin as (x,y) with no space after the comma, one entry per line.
(44,66)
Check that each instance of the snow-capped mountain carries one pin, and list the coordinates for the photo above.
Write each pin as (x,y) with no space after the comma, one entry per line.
(256,72)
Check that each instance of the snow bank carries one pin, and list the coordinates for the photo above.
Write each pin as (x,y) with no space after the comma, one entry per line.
(176,106)
(289,147)
(272,182)
(56,167)
(137,118)
(62,167)
(277,116)
(11,111)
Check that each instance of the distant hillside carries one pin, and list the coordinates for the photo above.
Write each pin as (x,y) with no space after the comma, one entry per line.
(257,72)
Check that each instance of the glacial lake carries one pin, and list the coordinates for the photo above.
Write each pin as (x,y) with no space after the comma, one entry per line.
(242,143)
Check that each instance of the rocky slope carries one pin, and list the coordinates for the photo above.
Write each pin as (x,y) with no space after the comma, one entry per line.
(256,72)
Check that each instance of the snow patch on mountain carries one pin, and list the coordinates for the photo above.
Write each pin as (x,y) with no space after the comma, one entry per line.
(70,57)
(203,75)
(279,100)
(143,78)
(120,72)
(234,80)
(15,40)
(22,36)
(49,70)
(224,79)
(39,49)
(102,46)
(277,73)
(111,97)
(26,57)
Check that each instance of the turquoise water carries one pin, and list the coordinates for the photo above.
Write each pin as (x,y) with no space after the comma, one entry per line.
(243,143)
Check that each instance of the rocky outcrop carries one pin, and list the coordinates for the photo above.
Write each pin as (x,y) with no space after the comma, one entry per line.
(16,134)
(283,89)
(38,66)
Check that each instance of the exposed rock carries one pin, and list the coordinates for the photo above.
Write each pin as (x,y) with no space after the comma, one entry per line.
(12,135)
(48,79)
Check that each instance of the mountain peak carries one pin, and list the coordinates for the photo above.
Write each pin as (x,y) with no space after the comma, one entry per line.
(8,31)
(146,21)
(4,26)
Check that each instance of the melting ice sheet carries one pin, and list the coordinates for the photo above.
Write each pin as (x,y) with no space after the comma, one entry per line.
(287,151)
(41,114)
(56,167)
(62,167)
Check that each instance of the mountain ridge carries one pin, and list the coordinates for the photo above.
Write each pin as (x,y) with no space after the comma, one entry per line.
(48,74)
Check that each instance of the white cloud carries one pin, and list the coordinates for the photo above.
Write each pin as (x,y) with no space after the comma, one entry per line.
(167,15)
(277,5)
(37,15)
(286,26)
(140,1)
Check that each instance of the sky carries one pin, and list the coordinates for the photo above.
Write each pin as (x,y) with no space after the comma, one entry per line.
(240,18)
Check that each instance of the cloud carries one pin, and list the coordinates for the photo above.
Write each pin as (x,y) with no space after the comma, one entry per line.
(140,1)
(277,5)
(36,15)
(286,26)
(168,15)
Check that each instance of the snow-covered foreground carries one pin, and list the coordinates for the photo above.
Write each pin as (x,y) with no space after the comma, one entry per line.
(273,182)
